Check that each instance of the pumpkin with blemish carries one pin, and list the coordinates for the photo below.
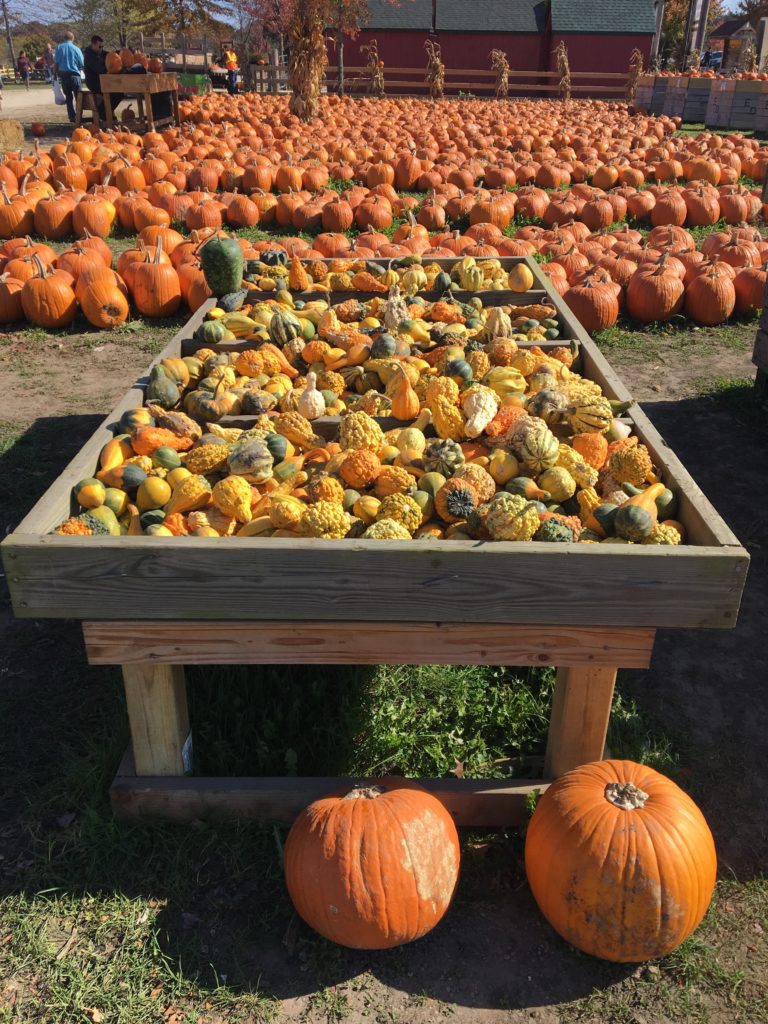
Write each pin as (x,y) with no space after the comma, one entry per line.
(373,867)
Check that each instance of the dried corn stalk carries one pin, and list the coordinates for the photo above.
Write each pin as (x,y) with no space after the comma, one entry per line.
(635,70)
(435,77)
(306,69)
(564,70)
(694,61)
(374,68)
(750,57)
(500,65)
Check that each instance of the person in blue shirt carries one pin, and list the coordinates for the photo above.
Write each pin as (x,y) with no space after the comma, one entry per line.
(69,63)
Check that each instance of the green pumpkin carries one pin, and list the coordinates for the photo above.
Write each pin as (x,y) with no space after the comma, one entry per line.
(154,517)
(442,282)
(632,523)
(221,260)
(383,346)
(133,418)
(130,477)
(554,531)
(166,458)
(161,389)
(210,332)
(116,499)
(277,445)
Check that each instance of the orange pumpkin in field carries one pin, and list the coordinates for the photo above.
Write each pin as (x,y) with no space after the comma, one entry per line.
(155,65)
(38,129)
(375,866)
(127,58)
(620,861)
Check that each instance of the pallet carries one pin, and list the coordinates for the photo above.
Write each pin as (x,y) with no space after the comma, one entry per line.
(586,609)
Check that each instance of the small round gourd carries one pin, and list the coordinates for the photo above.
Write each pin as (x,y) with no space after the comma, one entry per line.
(633,523)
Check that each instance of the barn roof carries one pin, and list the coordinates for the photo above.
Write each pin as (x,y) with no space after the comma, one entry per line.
(407,14)
(618,17)
(491,15)
(728,28)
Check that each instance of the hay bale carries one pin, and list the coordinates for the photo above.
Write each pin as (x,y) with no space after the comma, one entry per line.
(11,134)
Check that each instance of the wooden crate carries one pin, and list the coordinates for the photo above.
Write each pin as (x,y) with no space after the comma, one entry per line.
(152,605)
(693,585)
(674,100)
(720,103)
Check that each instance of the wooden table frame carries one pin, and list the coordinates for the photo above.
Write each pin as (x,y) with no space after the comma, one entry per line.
(152,780)
(586,609)
(142,87)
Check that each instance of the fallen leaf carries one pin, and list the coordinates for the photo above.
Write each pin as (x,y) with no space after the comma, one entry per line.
(458,770)
(94,1015)
(67,945)
(155,992)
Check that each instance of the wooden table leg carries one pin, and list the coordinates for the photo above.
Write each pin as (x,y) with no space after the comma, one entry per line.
(148,112)
(157,710)
(581,708)
(176,113)
(108,111)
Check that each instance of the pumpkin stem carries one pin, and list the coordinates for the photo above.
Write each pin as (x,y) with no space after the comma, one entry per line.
(365,793)
(625,795)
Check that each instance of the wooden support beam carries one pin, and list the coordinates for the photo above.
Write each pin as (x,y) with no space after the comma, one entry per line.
(157,711)
(474,803)
(578,724)
(363,643)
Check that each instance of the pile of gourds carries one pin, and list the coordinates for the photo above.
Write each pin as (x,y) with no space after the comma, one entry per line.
(490,436)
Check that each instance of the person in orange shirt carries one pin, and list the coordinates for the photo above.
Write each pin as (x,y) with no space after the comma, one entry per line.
(229,60)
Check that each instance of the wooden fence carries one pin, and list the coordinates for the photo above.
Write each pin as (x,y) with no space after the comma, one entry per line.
(182,51)
(399,81)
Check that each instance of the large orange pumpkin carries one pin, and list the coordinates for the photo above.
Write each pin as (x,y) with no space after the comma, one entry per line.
(620,861)
(375,866)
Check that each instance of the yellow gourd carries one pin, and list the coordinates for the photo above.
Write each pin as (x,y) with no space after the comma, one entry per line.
(405,401)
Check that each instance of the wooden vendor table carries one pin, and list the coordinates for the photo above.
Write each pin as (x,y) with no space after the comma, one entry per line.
(142,87)
(154,604)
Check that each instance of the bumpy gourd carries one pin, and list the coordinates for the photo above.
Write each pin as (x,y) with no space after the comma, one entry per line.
(512,517)
(360,468)
(481,480)
(402,509)
(497,324)
(386,529)
(584,474)
(448,420)
(325,488)
(325,519)
(192,493)
(630,465)
(233,496)
(455,500)
(251,460)
(553,531)
(358,430)
(207,458)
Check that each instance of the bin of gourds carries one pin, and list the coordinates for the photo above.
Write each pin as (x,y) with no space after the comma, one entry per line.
(489,435)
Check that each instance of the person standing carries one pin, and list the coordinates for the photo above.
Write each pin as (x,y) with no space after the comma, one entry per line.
(48,62)
(24,67)
(69,63)
(95,65)
(229,61)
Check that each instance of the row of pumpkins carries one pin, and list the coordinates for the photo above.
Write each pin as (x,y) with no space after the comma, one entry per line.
(376,866)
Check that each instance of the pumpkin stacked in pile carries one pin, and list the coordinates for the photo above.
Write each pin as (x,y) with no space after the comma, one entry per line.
(498,438)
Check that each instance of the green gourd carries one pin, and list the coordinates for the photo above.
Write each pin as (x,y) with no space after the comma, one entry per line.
(234,301)
(161,389)
(252,460)
(166,458)
(553,531)
(154,517)
(277,445)
(633,523)
(211,332)
(221,260)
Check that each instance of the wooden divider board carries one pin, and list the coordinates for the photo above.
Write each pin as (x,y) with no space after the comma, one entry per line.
(252,579)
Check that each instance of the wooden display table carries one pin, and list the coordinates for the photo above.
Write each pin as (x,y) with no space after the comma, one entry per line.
(154,604)
(143,87)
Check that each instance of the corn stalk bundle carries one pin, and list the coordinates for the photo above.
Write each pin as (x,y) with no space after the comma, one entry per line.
(694,61)
(306,69)
(635,70)
(750,57)
(374,68)
(500,65)
(435,77)
(564,69)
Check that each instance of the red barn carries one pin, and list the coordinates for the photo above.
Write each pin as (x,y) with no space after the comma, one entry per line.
(600,34)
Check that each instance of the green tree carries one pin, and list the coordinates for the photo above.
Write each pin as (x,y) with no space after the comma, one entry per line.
(119,22)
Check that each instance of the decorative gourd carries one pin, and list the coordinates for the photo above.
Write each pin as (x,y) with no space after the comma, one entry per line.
(374,867)
(648,500)
(592,415)
(233,496)
(153,493)
(497,325)
(161,388)
(89,493)
(620,861)
(455,500)
(539,450)
(193,492)
(284,327)
(630,464)
(311,403)
(251,460)
(221,260)
(559,482)
(520,278)
(480,404)
(405,401)
(633,522)
(512,517)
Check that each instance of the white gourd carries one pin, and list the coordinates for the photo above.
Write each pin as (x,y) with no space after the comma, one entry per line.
(311,403)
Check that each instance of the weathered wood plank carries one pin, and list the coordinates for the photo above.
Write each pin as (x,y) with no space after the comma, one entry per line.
(363,643)
(156,697)
(578,725)
(217,578)
(474,803)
